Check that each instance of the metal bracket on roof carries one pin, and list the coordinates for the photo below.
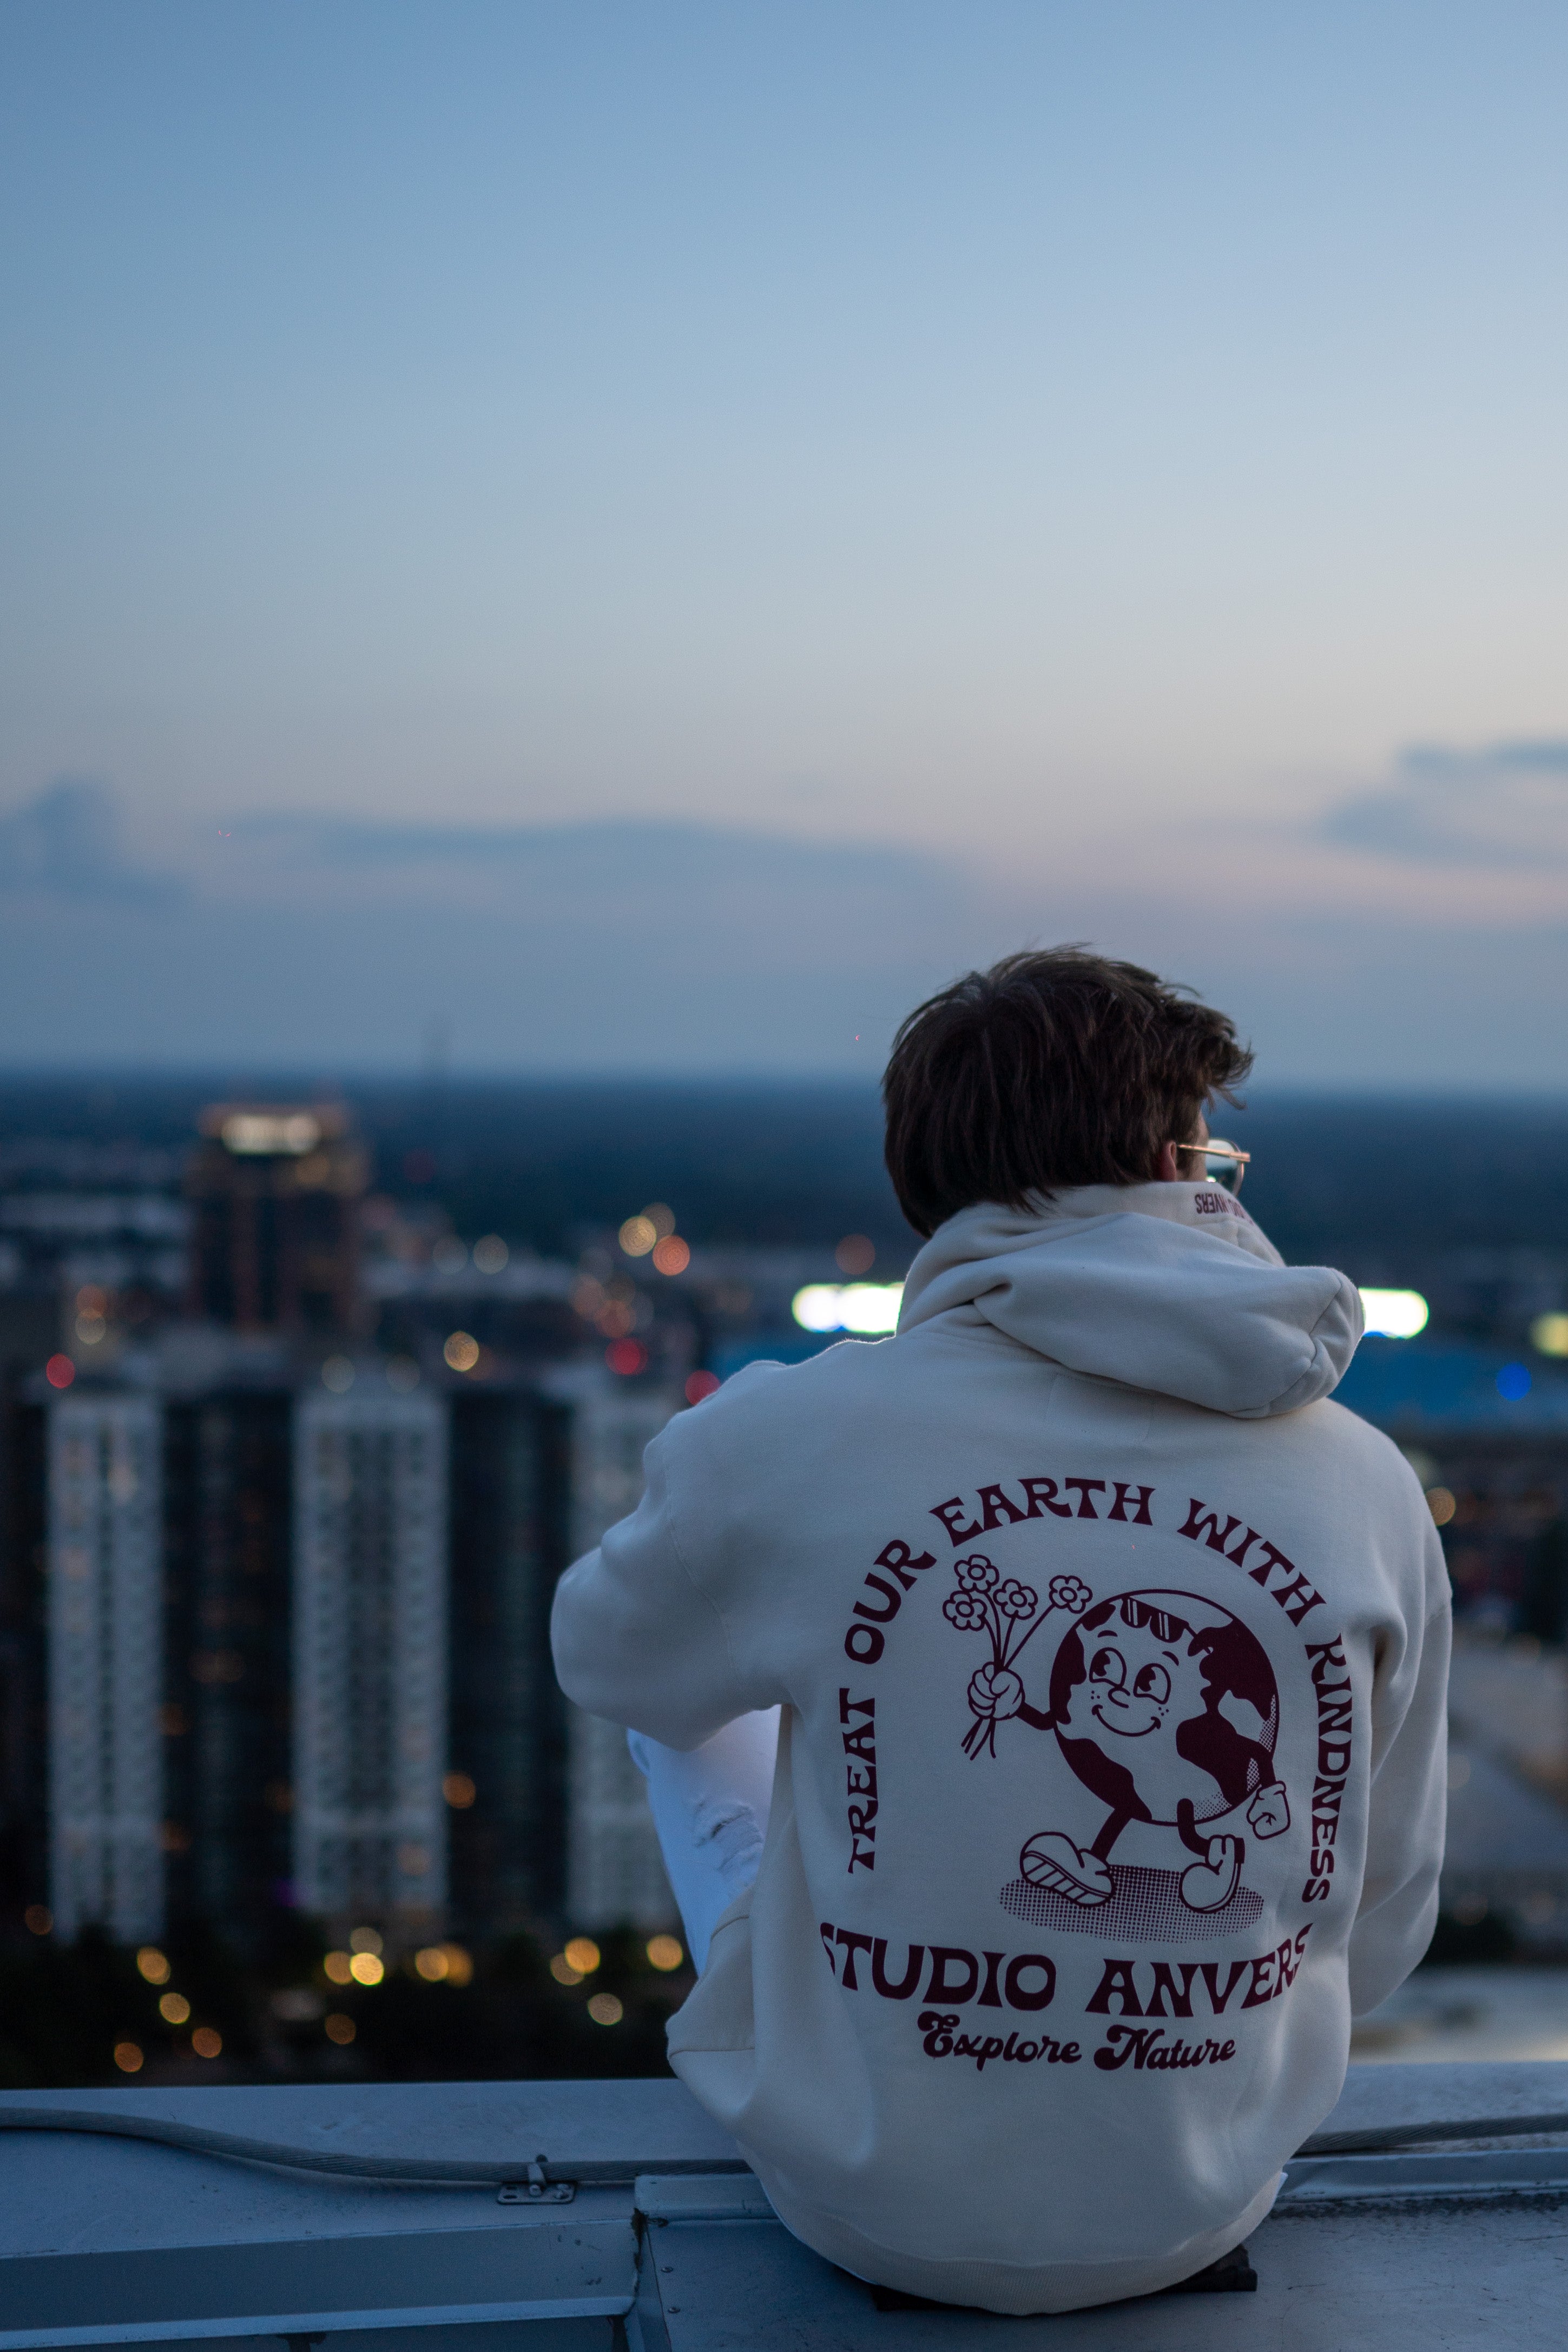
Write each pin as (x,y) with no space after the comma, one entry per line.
(537,2189)
(702,2197)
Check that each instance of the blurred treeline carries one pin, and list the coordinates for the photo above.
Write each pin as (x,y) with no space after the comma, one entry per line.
(1372,1183)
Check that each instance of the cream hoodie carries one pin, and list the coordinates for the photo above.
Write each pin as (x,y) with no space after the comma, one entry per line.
(1112,1659)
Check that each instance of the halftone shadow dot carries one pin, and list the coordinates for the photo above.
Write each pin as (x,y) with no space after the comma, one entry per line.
(1146,1908)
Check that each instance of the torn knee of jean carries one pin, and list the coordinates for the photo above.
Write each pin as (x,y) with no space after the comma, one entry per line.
(733,1829)
(729,1819)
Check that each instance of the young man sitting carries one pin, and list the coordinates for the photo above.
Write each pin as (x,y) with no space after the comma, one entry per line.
(1084,1663)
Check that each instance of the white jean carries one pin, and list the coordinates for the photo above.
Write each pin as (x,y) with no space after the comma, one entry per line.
(709,1807)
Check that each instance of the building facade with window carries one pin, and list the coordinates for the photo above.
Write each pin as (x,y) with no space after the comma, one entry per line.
(105,1627)
(613,1871)
(369,1657)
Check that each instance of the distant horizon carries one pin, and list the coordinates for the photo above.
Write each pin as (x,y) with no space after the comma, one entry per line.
(285,1083)
(1372,1181)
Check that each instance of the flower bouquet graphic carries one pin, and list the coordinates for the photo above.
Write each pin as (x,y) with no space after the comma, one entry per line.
(1010,1612)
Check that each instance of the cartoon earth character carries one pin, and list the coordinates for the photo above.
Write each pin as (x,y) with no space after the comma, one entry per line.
(1166,1706)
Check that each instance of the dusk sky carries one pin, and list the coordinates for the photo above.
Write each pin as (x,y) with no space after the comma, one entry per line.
(647,537)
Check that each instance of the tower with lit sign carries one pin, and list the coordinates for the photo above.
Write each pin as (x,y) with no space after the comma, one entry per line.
(275,1190)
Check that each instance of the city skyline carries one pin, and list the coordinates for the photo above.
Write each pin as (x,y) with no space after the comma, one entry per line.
(645,544)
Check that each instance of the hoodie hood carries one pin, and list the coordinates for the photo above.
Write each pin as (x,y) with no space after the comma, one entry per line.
(1171,1287)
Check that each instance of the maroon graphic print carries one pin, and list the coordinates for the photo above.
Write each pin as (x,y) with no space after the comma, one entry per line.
(1006,1609)
(1165,1707)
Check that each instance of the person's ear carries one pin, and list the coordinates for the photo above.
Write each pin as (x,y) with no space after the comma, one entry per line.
(1167,1170)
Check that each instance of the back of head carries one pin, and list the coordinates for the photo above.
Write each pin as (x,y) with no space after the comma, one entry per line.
(1051,1069)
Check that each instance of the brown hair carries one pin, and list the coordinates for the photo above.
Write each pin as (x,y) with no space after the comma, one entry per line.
(1053,1068)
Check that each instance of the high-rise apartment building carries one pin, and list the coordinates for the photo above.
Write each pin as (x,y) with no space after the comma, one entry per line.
(290,1646)
(226,1711)
(24,1612)
(370,1667)
(275,1190)
(614,1872)
(105,1627)
(293,1652)
(508,1718)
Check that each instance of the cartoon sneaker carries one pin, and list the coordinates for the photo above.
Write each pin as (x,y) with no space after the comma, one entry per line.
(1051,1859)
(1209,1885)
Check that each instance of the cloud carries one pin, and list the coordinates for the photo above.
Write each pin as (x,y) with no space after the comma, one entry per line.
(692,896)
(329,944)
(1503,806)
(67,843)
(1546,757)
(618,944)
(669,853)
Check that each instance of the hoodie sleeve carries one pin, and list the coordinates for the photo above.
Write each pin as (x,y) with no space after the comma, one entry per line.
(637,1639)
(1408,1814)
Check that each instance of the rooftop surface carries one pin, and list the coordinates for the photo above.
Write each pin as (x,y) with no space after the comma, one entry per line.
(615,2217)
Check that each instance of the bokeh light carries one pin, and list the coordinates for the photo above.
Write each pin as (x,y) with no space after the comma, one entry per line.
(458,1791)
(663,1952)
(339,2028)
(128,2057)
(38,1919)
(174,2008)
(206,2042)
(431,1963)
(491,1254)
(872,1307)
(1513,1381)
(366,1970)
(295,2004)
(461,1351)
(671,1255)
(606,2010)
(637,1236)
(337,1968)
(856,1255)
(561,1970)
(626,1355)
(1393,1313)
(366,1940)
(1549,1333)
(152,1965)
(59,1372)
(459,1964)
(700,1385)
(338,1374)
(869,1309)
(1441,1504)
(583,1954)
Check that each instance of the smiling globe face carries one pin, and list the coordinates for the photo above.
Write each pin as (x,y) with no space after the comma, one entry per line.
(1159,1697)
